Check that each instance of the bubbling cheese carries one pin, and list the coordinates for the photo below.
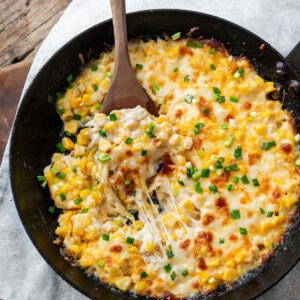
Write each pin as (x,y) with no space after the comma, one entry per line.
(181,203)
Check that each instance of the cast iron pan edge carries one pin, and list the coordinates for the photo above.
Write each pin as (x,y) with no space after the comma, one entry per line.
(32,136)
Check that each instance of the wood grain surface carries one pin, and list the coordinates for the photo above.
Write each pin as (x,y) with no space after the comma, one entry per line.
(23,26)
(12,79)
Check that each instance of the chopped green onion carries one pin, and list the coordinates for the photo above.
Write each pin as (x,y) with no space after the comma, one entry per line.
(221,241)
(239,73)
(262,211)
(109,75)
(190,172)
(62,196)
(234,167)
(50,99)
(235,179)
(212,280)
(194,45)
(41,178)
(233,99)
(197,128)
(245,179)
(70,78)
(113,117)
(255,182)
(94,68)
(130,240)
(144,274)
(270,214)
(173,275)
(103,157)
(196,175)
(61,111)
(213,67)
(76,117)
(101,263)
(176,36)
(51,209)
(272,245)
(59,95)
(243,231)
(150,134)
(151,126)
(180,182)
(235,214)
(74,170)
(175,70)
(170,254)
(212,51)
(78,200)
(102,132)
(139,66)
(105,237)
(297,137)
(168,268)
(297,162)
(128,141)
(85,210)
(186,78)
(185,273)
(205,110)
(133,193)
(111,172)
(155,87)
(224,126)
(228,143)
(268,145)
(189,98)
(98,106)
(205,173)
(60,148)
(61,175)
(95,87)
(221,99)
(216,90)
(213,188)
(198,189)
(144,152)
(238,153)
(230,187)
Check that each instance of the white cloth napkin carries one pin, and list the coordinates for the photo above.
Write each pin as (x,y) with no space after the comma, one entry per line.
(23,272)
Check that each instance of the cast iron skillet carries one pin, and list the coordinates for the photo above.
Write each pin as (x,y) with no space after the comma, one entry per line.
(37,128)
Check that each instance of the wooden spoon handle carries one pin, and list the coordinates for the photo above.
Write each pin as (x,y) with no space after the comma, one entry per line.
(120,32)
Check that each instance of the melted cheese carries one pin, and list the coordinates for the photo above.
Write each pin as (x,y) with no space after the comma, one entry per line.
(213,185)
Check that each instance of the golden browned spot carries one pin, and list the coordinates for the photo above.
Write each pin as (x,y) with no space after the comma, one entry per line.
(232,237)
(129,153)
(247,105)
(276,194)
(185,50)
(229,116)
(253,158)
(286,147)
(207,219)
(167,165)
(167,296)
(202,264)
(178,113)
(185,244)
(215,44)
(196,284)
(116,248)
(197,143)
(205,107)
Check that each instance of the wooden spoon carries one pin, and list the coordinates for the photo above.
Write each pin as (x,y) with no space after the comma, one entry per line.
(124,91)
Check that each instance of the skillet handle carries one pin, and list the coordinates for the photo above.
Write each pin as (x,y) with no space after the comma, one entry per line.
(294,56)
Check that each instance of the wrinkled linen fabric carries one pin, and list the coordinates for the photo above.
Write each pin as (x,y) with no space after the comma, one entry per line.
(24,275)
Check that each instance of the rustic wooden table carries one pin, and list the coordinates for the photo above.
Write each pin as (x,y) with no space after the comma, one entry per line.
(24,24)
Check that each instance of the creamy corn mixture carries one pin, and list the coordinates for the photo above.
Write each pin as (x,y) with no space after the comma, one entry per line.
(178,204)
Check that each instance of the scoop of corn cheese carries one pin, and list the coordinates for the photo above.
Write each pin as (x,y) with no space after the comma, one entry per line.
(180,203)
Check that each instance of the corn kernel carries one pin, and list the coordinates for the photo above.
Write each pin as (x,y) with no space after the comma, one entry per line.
(289,201)
(169,220)
(71,126)
(68,143)
(149,246)
(140,286)
(229,274)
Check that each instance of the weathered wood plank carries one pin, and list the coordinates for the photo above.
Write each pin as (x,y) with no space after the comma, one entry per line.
(23,26)
(12,79)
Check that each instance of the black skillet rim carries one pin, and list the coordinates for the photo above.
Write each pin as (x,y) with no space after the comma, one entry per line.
(235,288)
